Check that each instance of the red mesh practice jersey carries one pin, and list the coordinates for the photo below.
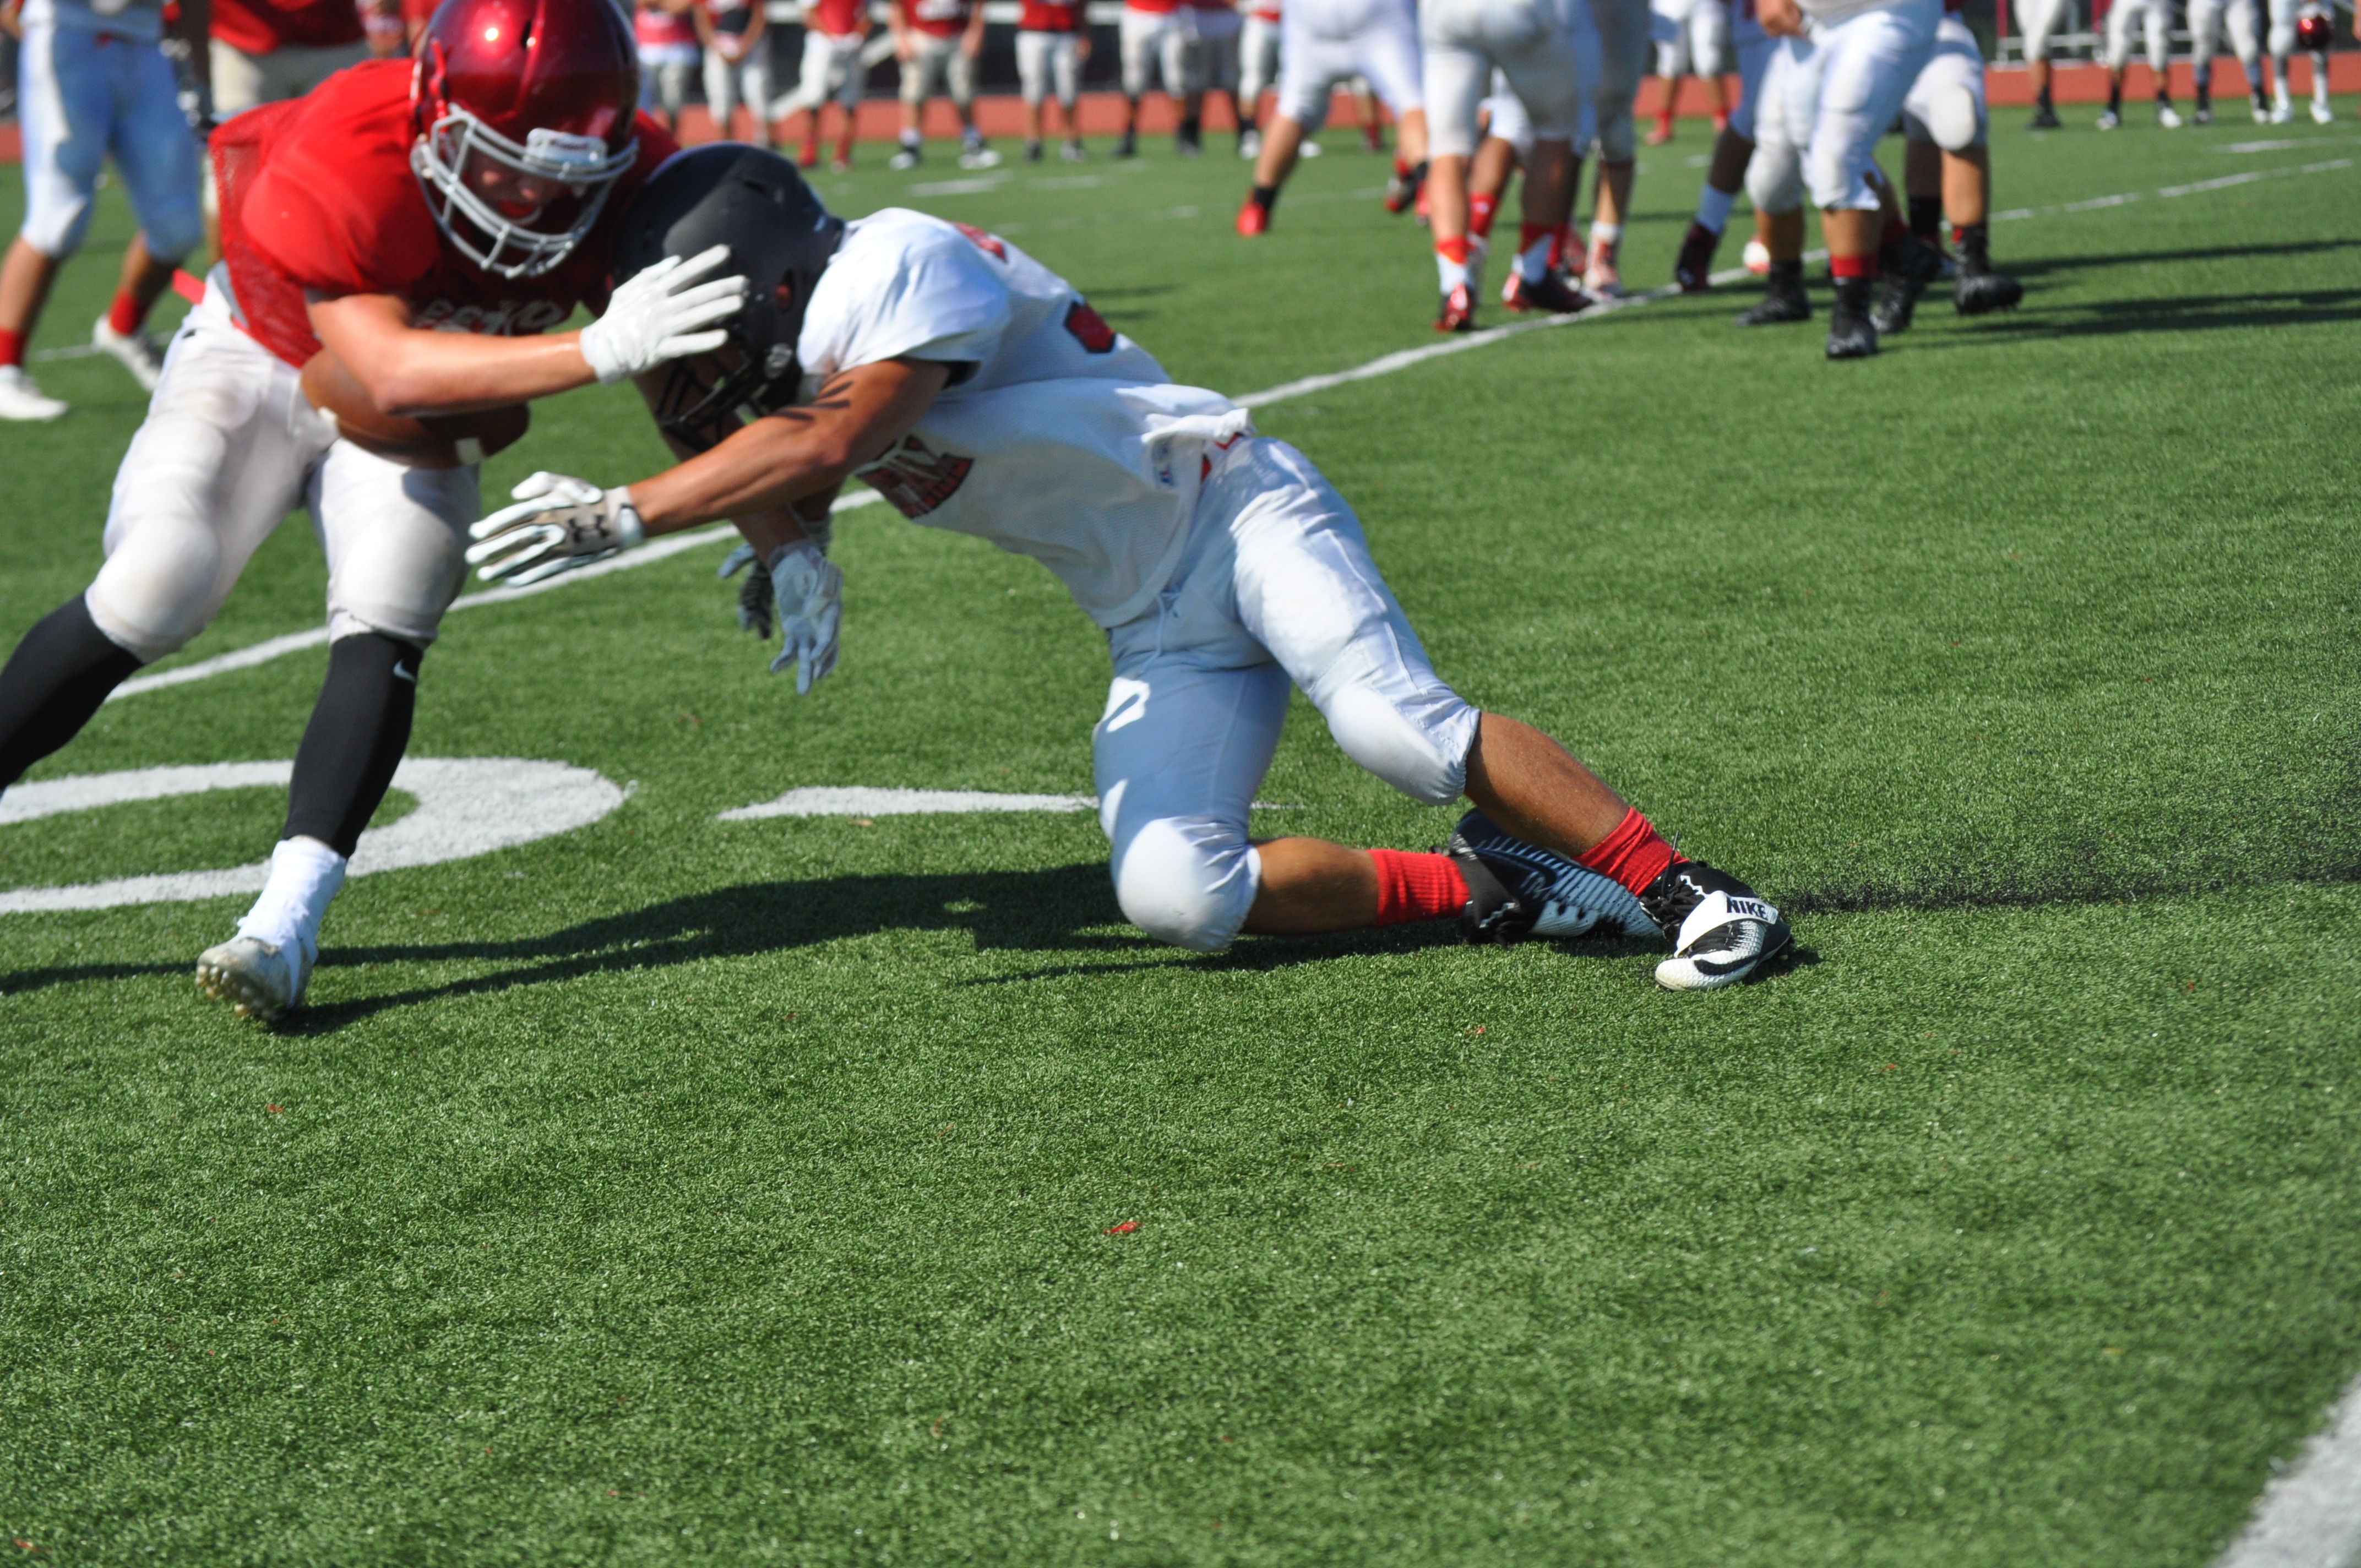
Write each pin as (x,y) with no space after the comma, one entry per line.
(836,17)
(1043,16)
(943,18)
(258,26)
(317,194)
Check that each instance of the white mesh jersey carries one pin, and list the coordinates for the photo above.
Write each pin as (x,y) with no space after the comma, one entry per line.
(1059,438)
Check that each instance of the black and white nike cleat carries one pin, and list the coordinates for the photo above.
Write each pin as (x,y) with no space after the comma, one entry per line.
(1721,931)
(1518,892)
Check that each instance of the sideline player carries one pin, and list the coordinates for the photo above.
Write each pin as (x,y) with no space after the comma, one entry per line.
(1732,148)
(2305,24)
(267,51)
(1946,172)
(2244,17)
(1690,36)
(1215,68)
(939,40)
(95,81)
(734,34)
(1323,43)
(2043,20)
(2157,16)
(668,58)
(429,279)
(1833,89)
(978,392)
(1050,49)
(1257,69)
(834,31)
(1537,49)
(1156,43)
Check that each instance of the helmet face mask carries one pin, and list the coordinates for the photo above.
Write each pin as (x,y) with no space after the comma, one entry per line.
(525,112)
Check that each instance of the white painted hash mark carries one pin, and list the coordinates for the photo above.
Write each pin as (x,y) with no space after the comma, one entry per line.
(2310,1517)
(467,806)
(856,801)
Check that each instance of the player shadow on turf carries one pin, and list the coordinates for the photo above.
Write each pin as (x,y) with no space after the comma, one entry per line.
(2179,314)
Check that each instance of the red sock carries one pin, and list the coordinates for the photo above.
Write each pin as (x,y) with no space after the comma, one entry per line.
(1852,267)
(1480,212)
(12,347)
(1452,250)
(1635,854)
(126,314)
(1401,168)
(1417,887)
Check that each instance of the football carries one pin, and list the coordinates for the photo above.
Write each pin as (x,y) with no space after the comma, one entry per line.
(436,441)
(2315,32)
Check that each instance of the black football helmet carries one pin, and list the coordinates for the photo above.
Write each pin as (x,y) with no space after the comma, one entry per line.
(780,237)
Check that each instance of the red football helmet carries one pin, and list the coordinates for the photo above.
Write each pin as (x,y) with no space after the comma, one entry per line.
(2315,32)
(525,114)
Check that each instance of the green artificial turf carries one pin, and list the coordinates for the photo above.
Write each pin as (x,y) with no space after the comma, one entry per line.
(679,1189)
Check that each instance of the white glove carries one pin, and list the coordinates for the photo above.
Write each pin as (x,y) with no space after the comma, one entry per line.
(808,591)
(557,525)
(654,316)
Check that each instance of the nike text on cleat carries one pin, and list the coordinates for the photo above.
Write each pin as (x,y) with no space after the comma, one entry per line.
(1518,891)
(1721,931)
(256,978)
(1253,218)
(1553,294)
(1458,311)
(135,351)
(20,399)
(1693,269)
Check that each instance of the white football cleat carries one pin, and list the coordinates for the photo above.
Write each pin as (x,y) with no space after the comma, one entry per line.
(20,399)
(256,978)
(978,156)
(2282,113)
(2321,114)
(1722,931)
(2167,116)
(2109,120)
(135,351)
(1250,145)
(903,161)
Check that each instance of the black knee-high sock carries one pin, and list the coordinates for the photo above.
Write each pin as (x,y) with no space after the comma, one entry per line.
(55,680)
(1927,218)
(360,728)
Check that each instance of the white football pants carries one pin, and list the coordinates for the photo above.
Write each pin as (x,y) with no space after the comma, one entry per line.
(2205,25)
(938,63)
(1861,70)
(1531,43)
(729,83)
(831,69)
(1159,45)
(1753,47)
(1782,127)
(1946,104)
(1257,62)
(2157,16)
(1324,42)
(2284,14)
(229,448)
(2043,20)
(1690,35)
(1047,61)
(1276,586)
(1623,48)
(82,96)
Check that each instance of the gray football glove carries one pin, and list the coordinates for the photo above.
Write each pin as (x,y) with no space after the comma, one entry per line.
(558,523)
(801,592)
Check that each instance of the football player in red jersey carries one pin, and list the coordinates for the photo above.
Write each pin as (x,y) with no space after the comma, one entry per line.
(426,224)
(1050,49)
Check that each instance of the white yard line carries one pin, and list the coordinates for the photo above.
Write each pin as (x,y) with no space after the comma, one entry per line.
(2310,1517)
(1385,365)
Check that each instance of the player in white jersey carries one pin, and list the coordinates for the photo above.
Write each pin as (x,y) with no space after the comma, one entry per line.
(980,392)
(1837,91)
(1257,69)
(1326,42)
(1543,52)
(1948,172)
(1691,38)
(95,82)
(834,34)
(2206,21)
(1732,148)
(2043,20)
(2155,17)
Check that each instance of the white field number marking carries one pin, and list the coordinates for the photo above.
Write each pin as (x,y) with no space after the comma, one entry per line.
(467,806)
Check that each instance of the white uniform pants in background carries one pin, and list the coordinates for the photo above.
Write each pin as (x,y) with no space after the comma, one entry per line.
(1214,64)
(1326,42)
(1867,62)
(1257,62)
(2205,22)
(86,94)
(831,69)
(1691,36)
(1158,46)
(1623,26)
(230,448)
(2043,20)
(1530,42)
(2284,13)
(1946,104)
(938,63)
(1783,126)
(729,82)
(1047,61)
(243,81)
(2157,16)
(1276,587)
